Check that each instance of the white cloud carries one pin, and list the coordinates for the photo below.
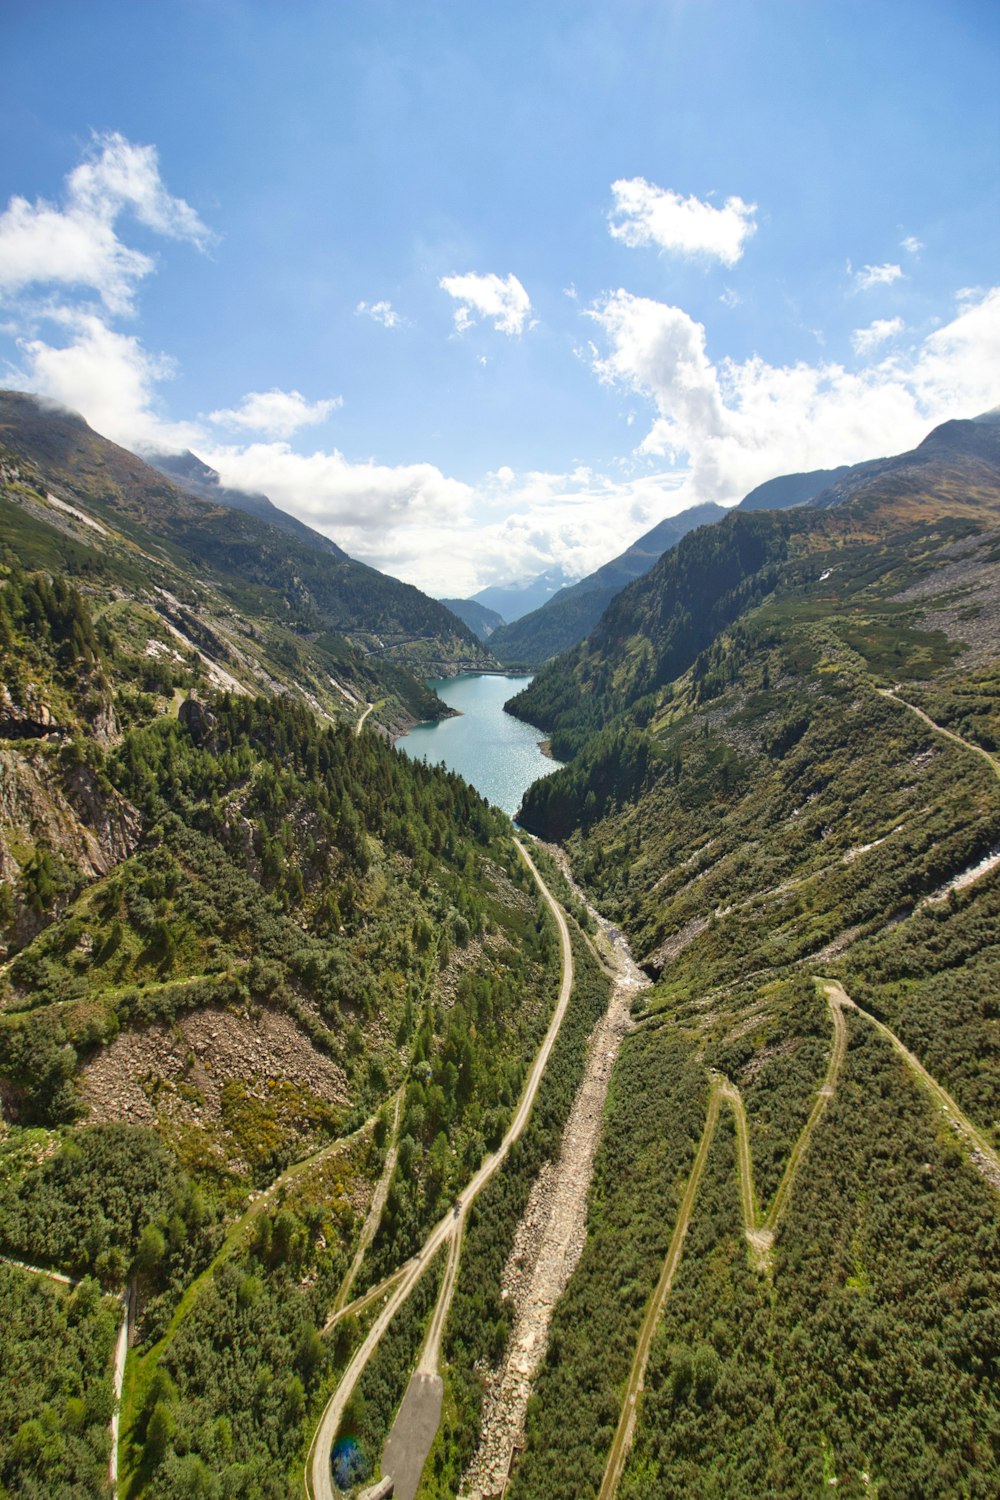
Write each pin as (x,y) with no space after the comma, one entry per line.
(381,312)
(649,215)
(730,298)
(870,276)
(276,413)
(77,244)
(369,508)
(489,296)
(727,427)
(864,340)
(911,245)
(108,376)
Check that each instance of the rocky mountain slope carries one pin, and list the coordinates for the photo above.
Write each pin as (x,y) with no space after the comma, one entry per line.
(264,606)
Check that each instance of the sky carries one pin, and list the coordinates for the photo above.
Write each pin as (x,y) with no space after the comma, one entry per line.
(481,289)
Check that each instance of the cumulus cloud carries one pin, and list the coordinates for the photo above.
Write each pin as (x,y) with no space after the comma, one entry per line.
(864,340)
(645,214)
(728,426)
(108,376)
(77,244)
(912,245)
(489,296)
(276,413)
(381,312)
(369,508)
(870,276)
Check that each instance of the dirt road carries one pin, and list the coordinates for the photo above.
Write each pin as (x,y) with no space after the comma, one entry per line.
(983,1155)
(551,1236)
(626,1422)
(949,734)
(759,1231)
(318,1479)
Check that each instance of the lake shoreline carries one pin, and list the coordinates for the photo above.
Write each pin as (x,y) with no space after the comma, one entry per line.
(498,754)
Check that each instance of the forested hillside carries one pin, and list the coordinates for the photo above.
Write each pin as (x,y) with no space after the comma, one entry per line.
(789,797)
(572,613)
(243,947)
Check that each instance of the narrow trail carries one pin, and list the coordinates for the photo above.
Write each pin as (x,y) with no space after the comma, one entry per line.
(374,1215)
(949,734)
(622,1441)
(120,1356)
(360,722)
(120,1351)
(236,1232)
(318,1478)
(837,1055)
(759,1230)
(984,1158)
(551,1235)
(24,1265)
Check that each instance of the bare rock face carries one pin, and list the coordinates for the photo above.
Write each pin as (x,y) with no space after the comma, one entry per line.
(197,720)
(69,813)
(31,719)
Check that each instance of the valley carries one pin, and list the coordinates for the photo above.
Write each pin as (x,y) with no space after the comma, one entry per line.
(654,1155)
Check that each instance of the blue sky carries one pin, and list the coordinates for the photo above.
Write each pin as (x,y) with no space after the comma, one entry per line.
(475,289)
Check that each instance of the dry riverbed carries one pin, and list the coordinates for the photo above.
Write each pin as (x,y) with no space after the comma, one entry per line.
(551,1235)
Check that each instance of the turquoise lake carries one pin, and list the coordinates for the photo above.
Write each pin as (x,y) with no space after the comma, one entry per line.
(498,754)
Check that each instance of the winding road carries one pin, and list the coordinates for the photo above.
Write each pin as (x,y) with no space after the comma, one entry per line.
(318,1475)
(759,1231)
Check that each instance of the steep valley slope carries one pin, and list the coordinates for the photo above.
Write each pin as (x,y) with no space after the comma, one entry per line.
(248,951)
(787,793)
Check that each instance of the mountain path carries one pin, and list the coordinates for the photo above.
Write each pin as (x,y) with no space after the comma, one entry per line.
(551,1235)
(949,734)
(318,1479)
(373,1216)
(759,1231)
(984,1158)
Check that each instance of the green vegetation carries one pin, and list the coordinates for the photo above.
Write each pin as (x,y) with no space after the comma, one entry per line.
(478,1327)
(56,1394)
(257,599)
(859,1365)
(748,806)
(655,1113)
(267,878)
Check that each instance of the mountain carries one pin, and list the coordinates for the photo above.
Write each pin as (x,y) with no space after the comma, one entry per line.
(791,489)
(785,791)
(655,628)
(479,619)
(251,959)
(192,474)
(517,599)
(263,604)
(954,461)
(571,614)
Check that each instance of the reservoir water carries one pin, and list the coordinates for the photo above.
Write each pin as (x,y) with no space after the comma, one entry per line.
(497,753)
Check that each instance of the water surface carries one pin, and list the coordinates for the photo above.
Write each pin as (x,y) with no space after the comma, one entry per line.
(497,753)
